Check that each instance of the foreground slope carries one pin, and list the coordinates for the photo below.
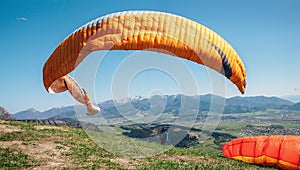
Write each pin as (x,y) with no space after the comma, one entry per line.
(30,145)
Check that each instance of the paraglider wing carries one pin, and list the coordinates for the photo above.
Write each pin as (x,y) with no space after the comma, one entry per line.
(280,151)
(146,30)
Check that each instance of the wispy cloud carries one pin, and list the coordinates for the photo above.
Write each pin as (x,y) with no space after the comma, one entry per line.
(21,19)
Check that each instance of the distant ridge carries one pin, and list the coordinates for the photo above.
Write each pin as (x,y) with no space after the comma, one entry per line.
(27,114)
(141,106)
(292,98)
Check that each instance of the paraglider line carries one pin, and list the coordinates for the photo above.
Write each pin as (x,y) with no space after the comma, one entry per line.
(66,84)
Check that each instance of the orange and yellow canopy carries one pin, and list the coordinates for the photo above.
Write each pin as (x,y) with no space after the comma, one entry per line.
(145,30)
(280,151)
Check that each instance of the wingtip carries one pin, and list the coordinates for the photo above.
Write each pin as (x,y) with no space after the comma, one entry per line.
(241,86)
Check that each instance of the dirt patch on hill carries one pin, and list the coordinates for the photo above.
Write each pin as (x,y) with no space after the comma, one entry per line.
(129,163)
(47,153)
(8,128)
(64,128)
(7,144)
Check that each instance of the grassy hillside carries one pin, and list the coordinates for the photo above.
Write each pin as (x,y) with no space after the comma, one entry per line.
(31,145)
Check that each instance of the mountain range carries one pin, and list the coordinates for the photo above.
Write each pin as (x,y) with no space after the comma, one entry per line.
(138,107)
(292,98)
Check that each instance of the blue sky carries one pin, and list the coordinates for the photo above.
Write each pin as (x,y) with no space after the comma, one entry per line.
(264,32)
